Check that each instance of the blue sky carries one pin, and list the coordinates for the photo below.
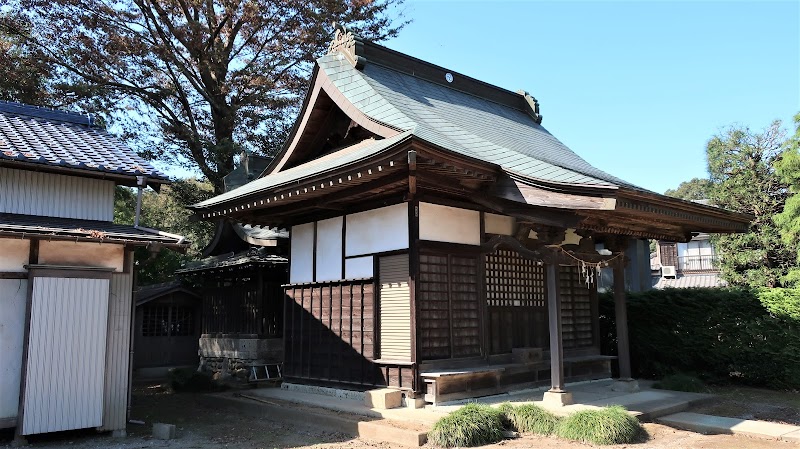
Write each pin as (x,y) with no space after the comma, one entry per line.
(636,88)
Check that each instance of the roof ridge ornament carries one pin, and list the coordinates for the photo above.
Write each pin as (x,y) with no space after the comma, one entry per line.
(347,44)
(532,105)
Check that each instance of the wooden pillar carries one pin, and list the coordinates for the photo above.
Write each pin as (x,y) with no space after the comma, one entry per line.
(623,346)
(554,314)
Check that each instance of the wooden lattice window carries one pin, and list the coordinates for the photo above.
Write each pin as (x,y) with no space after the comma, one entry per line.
(167,321)
(577,315)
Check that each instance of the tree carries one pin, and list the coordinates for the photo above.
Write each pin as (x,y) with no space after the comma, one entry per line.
(788,221)
(166,211)
(696,189)
(206,78)
(742,168)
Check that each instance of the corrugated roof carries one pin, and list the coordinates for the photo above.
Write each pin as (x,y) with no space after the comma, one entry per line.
(62,139)
(327,163)
(690,281)
(461,122)
(30,225)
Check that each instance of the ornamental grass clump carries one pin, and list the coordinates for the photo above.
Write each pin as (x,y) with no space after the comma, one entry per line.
(609,425)
(531,418)
(471,425)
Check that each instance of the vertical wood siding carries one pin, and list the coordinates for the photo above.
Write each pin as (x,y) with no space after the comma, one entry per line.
(117,352)
(51,195)
(330,333)
(395,308)
(578,309)
(13,296)
(449,313)
(66,355)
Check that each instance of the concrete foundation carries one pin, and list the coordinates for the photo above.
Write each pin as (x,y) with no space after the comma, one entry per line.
(557,398)
(625,385)
(384,398)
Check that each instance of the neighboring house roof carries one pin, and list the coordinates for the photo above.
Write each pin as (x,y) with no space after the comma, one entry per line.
(53,140)
(689,281)
(15,225)
(253,256)
(150,292)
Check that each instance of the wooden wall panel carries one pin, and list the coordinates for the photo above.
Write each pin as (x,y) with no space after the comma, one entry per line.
(34,193)
(13,299)
(330,333)
(64,386)
(578,315)
(449,321)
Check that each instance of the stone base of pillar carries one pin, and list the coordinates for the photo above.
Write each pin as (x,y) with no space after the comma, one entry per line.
(557,398)
(625,385)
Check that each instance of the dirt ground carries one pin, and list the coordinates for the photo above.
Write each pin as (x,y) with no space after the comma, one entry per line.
(204,423)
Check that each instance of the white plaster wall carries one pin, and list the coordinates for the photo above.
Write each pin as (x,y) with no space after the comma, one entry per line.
(82,254)
(14,254)
(377,230)
(359,267)
(498,224)
(13,293)
(329,249)
(301,262)
(449,224)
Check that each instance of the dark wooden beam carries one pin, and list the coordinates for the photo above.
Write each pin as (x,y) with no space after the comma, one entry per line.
(554,321)
(621,312)
(13,275)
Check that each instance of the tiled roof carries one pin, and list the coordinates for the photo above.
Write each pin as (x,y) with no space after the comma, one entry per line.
(150,292)
(52,138)
(689,281)
(253,256)
(461,122)
(75,229)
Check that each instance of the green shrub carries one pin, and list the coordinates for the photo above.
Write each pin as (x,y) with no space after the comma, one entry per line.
(609,425)
(471,425)
(725,334)
(189,380)
(681,382)
(531,418)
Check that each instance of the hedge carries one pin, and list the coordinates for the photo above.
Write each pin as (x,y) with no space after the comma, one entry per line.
(740,335)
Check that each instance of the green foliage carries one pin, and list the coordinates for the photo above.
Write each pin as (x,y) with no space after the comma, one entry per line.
(165,211)
(609,425)
(190,380)
(725,335)
(530,418)
(695,189)
(681,382)
(471,425)
(204,79)
(741,165)
(788,221)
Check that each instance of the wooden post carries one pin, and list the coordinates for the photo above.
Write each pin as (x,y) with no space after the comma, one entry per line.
(623,347)
(556,344)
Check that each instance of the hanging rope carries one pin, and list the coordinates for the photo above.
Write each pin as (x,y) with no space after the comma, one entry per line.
(590,271)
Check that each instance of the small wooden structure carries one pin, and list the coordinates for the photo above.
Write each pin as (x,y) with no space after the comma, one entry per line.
(442,241)
(166,326)
(66,271)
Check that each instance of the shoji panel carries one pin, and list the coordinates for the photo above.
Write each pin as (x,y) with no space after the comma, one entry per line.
(395,308)
(66,354)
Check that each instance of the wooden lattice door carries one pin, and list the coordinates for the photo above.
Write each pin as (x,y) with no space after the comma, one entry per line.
(516,298)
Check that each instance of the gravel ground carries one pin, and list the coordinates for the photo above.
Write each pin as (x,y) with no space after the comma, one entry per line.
(204,424)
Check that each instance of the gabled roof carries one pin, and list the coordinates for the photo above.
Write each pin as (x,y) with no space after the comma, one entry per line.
(150,292)
(251,257)
(60,141)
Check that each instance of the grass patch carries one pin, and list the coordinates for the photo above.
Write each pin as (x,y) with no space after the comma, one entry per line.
(531,418)
(609,425)
(681,382)
(471,425)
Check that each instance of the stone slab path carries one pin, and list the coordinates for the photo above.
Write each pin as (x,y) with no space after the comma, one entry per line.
(697,422)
